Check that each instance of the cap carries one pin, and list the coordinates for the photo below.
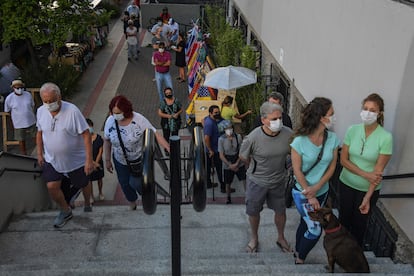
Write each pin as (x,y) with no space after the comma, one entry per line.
(18,83)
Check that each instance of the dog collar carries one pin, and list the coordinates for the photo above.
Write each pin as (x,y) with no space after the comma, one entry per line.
(333,230)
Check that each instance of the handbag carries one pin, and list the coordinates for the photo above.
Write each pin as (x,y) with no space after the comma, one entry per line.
(135,167)
(291,183)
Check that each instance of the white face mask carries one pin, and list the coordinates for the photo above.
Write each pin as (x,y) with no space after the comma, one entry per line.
(368,117)
(331,122)
(229,131)
(275,125)
(118,116)
(18,91)
(91,130)
(52,107)
(161,50)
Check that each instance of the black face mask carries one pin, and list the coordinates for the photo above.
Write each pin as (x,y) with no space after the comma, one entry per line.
(169,96)
(217,116)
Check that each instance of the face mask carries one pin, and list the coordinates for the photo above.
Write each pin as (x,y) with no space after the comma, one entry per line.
(161,50)
(159,23)
(52,106)
(229,131)
(275,125)
(18,91)
(119,116)
(331,122)
(217,116)
(91,130)
(169,96)
(368,117)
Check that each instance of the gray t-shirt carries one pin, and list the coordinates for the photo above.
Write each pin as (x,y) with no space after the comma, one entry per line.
(267,156)
(229,147)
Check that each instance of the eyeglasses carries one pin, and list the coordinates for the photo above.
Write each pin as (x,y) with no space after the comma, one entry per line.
(52,127)
(363,146)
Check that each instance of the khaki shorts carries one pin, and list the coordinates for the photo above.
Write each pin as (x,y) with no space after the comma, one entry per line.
(22,134)
(257,195)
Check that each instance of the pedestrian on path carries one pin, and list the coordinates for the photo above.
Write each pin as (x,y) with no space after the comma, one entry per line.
(132,40)
(162,61)
(366,151)
(228,147)
(64,148)
(20,104)
(180,57)
(170,110)
(264,151)
(98,172)
(314,154)
(123,134)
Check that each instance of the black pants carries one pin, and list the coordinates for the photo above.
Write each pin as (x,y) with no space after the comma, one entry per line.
(349,214)
(218,169)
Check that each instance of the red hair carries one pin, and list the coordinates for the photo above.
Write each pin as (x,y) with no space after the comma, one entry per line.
(123,104)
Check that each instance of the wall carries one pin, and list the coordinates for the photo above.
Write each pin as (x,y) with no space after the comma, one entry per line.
(344,50)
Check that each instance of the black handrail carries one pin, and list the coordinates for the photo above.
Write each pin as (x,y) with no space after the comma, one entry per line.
(199,185)
(3,170)
(149,189)
(398,176)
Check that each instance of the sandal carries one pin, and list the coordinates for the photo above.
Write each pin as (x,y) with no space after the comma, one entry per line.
(250,249)
(285,249)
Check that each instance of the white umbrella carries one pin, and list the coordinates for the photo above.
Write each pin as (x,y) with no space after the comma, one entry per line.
(230,77)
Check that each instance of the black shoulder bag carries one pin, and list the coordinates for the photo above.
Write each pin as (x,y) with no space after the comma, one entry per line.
(135,167)
(292,181)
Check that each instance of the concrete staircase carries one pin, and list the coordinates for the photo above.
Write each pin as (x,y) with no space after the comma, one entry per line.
(115,241)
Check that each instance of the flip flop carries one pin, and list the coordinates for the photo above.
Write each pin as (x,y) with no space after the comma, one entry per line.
(250,249)
(285,249)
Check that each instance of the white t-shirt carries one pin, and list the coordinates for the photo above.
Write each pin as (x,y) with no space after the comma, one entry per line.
(132,137)
(21,109)
(63,143)
(132,35)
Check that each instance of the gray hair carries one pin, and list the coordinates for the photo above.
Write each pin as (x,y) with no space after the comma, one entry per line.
(50,86)
(268,108)
(277,96)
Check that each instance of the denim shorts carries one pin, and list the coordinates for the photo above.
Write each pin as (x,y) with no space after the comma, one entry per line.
(257,195)
(77,177)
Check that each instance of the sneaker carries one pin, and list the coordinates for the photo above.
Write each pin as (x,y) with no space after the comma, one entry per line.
(228,201)
(132,206)
(101,197)
(74,197)
(62,218)
(87,209)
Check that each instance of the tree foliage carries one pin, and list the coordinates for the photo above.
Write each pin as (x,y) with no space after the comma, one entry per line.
(45,21)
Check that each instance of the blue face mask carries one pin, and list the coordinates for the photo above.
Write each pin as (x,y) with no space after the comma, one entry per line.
(91,130)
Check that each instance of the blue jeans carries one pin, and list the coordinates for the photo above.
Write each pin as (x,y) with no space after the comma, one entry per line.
(130,185)
(309,231)
(160,78)
(132,51)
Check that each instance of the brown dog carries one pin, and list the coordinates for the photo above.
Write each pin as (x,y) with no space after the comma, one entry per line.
(340,246)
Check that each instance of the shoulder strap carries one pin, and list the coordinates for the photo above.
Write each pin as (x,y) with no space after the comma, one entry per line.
(121,142)
(325,136)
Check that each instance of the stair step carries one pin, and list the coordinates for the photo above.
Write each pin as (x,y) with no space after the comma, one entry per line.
(115,241)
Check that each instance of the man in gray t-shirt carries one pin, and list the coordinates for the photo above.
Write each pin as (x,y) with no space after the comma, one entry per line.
(265,150)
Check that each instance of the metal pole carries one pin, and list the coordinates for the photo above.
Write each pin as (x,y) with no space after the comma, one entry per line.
(175,184)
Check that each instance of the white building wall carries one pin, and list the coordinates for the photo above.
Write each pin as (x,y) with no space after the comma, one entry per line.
(345,50)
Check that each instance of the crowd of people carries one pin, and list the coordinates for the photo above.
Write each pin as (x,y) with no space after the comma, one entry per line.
(72,153)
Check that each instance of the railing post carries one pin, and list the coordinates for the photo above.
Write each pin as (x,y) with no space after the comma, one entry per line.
(175,184)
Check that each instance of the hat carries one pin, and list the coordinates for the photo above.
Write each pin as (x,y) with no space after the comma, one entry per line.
(226,124)
(17,83)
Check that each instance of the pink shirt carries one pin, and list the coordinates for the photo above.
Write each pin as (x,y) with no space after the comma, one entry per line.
(164,57)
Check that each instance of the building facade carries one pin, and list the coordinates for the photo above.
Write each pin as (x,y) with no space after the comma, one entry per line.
(340,49)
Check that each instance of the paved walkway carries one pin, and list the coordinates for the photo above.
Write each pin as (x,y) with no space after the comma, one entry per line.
(110,74)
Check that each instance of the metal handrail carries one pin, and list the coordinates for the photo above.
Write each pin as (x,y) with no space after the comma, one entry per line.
(199,185)
(398,195)
(149,188)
